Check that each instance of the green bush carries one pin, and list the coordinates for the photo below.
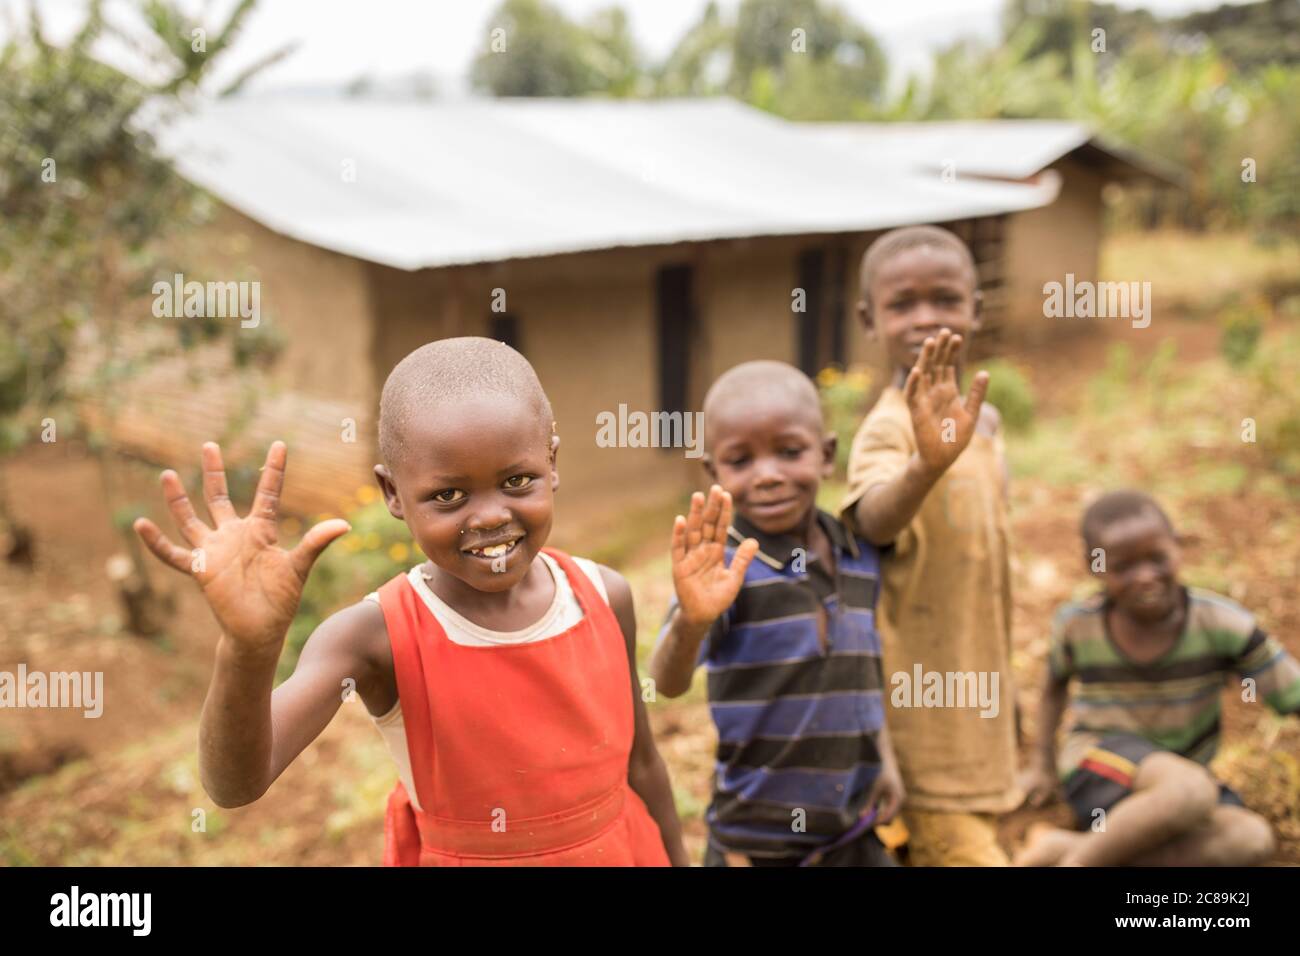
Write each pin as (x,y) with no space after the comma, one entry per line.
(844,402)
(1274,401)
(1011,393)
(376,549)
(1243,325)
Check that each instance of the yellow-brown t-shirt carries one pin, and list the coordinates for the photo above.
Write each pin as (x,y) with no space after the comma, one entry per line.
(945,610)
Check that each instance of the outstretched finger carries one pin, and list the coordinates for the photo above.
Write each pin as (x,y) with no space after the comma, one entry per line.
(948,370)
(178,503)
(215,492)
(741,560)
(925,361)
(713,513)
(266,501)
(952,351)
(679,540)
(157,542)
(314,542)
(693,519)
(724,519)
(979,387)
(913,385)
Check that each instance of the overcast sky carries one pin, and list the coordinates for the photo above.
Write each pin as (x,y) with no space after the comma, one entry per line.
(344,39)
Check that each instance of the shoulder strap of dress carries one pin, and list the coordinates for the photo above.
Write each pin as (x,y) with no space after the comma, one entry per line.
(406,617)
(593,605)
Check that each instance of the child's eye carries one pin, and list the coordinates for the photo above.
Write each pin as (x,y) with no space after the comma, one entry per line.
(792,452)
(448,495)
(519,481)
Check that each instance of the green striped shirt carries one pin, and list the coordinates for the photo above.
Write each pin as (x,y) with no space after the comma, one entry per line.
(1173,701)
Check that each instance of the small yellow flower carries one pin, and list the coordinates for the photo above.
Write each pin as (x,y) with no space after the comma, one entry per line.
(399,552)
(828,376)
(858,379)
(367,494)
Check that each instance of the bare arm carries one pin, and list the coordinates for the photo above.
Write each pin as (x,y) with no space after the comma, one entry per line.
(943,425)
(646,773)
(672,662)
(887,793)
(253,589)
(1039,781)
(886,509)
(705,587)
(249,734)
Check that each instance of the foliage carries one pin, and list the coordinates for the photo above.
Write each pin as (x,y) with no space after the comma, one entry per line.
(1200,94)
(533,49)
(87,203)
(1011,394)
(1229,126)
(844,397)
(1243,324)
(377,548)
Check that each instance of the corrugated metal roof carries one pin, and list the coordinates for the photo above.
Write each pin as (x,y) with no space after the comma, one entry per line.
(453,182)
(1000,149)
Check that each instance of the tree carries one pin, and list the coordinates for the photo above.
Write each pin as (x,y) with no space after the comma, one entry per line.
(87,207)
(700,64)
(532,49)
(801,59)
(970,81)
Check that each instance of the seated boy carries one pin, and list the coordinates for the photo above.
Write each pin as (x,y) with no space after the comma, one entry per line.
(1149,657)
(786,633)
(927,473)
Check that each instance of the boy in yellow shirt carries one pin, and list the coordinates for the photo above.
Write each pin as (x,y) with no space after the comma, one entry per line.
(936,491)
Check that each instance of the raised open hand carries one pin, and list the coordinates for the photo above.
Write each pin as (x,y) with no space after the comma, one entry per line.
(942,422)
(252,586)
(705,585)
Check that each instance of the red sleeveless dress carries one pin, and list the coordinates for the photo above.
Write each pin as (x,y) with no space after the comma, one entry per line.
(519,753)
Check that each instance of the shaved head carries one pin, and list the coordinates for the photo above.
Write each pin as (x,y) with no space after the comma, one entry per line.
(765,382)
(450,370)
(1114,507)
(910,237)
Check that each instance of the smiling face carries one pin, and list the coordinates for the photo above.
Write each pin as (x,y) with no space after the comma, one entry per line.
(914,294)
(770,458)
(475,483)
(1142,561)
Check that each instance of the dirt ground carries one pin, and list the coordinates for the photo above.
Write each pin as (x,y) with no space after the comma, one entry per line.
(123,789)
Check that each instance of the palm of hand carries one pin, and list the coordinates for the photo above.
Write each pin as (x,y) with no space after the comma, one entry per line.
(252,586)
(705,585)
(250,583)
(942,421)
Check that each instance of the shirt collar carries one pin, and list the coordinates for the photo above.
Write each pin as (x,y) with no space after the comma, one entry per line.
(777,550)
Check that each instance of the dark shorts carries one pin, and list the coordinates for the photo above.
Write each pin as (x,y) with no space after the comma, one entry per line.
(1105,777)
(866,850)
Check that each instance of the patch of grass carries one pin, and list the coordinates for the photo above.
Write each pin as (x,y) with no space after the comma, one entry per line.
(1199,273)
(1011,393)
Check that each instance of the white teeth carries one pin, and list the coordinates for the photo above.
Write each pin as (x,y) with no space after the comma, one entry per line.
(497,550)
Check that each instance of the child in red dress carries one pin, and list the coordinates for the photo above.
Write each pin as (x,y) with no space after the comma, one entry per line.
(526,743)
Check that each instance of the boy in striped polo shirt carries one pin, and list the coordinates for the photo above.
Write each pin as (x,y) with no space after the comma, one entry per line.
(1149,658)
(779,607)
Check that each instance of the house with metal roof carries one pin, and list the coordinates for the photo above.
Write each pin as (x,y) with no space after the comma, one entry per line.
(631,250)
(1041,244)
